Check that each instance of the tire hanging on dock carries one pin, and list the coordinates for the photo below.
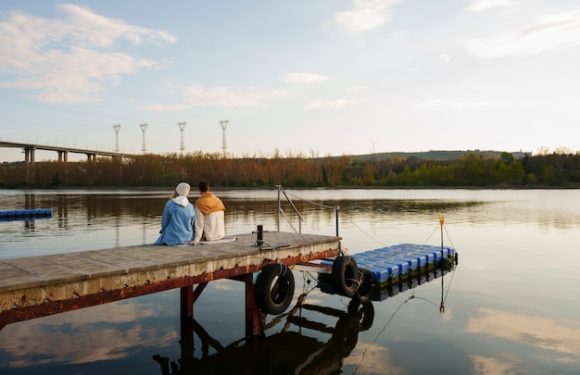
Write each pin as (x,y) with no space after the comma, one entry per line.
(274,289)
(345,275)
(367,285)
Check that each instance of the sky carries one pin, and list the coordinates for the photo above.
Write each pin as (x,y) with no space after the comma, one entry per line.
(315,77)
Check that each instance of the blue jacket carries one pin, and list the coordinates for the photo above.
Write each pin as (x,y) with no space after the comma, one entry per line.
(176,224)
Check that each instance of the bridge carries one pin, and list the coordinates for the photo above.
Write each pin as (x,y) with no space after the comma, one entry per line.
(30,148)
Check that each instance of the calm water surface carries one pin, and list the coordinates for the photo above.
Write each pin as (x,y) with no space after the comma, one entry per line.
(511,305)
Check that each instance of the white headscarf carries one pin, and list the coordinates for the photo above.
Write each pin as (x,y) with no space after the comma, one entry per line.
(182,189)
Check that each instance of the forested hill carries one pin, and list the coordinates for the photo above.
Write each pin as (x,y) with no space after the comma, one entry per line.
(473,169)
(440,155)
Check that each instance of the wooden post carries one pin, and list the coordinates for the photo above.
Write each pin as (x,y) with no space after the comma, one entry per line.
(187,342)
(253,321)
(186,303)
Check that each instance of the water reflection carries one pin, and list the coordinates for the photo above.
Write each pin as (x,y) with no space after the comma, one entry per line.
(289,351)
(94,335)
(536,331)
(513,299)
(311,338)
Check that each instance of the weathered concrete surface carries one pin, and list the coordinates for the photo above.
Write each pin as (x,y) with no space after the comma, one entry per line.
(37,281)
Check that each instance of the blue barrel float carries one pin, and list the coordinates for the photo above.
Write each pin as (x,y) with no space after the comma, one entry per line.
(404,262)
(25,214)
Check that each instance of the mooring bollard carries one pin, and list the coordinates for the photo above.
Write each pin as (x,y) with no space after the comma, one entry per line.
(260,236)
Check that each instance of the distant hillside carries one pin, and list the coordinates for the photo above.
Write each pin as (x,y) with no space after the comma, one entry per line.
(434,155)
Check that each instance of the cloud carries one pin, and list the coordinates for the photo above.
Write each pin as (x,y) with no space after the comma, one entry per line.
(482,5)
(69,59)
(552,32)
(306,78)
(491,366)
(532,330)
(366,15)
(368,358)
(330,104)
(358,89)
(466,105)
(85,337)
(445,58)
(220,96)
(429,103)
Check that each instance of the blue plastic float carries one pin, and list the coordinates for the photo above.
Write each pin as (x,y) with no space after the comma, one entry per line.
(25,214)
(400,261)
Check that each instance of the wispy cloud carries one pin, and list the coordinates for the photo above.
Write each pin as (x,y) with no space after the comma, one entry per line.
(366,15)
(429,103)
(552,32)
(467,105)
(482,5)
(535,331)
(69,59)
(491,366)
(306,78)
(445,58)
(330,104)
(220,96)
(358,89)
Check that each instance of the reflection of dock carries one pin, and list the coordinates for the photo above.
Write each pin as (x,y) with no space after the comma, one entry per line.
(284,352)
(44,285)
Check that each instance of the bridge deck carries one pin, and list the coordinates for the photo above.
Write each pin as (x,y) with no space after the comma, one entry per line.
(43,285)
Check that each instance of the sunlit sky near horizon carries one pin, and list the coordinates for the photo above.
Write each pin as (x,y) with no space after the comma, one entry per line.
(316,76)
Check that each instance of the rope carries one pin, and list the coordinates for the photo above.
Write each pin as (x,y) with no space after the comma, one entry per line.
(311,202)
(432,232)
(452,273)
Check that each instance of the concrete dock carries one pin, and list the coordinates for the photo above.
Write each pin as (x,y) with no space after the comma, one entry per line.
(43,285)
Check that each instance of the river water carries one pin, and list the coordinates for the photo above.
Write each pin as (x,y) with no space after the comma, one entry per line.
(510,306)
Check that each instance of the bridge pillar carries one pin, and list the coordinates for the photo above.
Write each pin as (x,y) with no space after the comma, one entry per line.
(29,155)
(63,156)
(91,157)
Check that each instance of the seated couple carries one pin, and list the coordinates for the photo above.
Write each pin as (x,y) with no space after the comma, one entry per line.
(182,224)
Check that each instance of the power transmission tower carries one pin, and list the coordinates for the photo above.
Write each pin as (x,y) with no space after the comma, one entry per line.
(117,127)
(181,128)
(224,124)
(143,130)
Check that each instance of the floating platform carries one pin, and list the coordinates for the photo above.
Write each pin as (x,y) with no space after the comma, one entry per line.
(396,263)
(43,285)
(25,214)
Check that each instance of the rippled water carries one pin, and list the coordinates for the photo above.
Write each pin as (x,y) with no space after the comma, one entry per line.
(510,306)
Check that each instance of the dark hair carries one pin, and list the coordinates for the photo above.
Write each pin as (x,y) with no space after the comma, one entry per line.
(203,186)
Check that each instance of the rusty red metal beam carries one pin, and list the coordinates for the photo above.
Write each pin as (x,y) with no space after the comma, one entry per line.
(253,316)
(106,296)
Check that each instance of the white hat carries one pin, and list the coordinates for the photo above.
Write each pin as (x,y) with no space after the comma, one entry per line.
(182,189)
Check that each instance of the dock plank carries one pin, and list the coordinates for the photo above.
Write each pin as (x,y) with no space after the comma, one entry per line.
(136,270)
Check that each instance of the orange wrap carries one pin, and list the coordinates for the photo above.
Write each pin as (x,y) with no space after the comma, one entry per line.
(209,203)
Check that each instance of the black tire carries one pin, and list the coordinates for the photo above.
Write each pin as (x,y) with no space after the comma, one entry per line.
(367,286)
(365,313)
(345,335)
(274,289)
(345,275)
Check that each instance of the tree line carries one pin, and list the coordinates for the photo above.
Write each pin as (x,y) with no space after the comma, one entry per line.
(473,170)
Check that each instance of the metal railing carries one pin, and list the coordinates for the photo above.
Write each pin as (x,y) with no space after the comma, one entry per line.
(280,211)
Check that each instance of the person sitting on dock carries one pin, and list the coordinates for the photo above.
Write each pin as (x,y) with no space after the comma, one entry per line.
(209,219)
(177,219)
